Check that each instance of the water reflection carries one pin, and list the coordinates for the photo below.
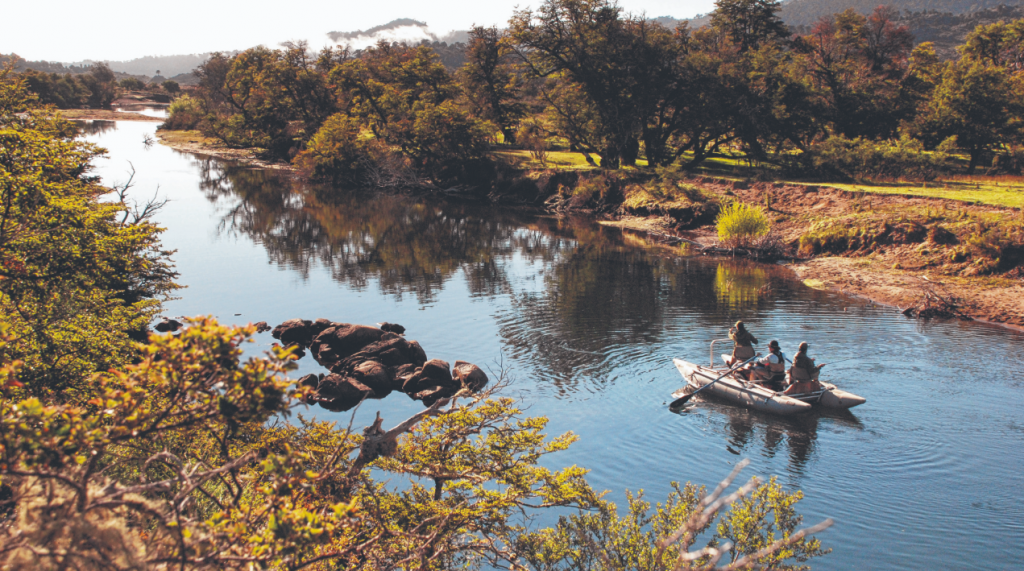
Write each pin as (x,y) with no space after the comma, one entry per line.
(740,285)
(96,126)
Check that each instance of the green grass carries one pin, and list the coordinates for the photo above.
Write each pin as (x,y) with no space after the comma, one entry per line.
(555,160)
(1009,193)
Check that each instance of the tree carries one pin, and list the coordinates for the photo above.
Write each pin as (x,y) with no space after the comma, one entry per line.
(617,61)
(860,72)
(132,84)
(491,81)
(408,100)
(80,276)
(977,103)
(171,86)
(102,85)
(749,24)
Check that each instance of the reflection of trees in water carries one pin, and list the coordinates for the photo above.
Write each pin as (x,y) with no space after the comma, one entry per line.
(739,286)
(96,126)
(405,245)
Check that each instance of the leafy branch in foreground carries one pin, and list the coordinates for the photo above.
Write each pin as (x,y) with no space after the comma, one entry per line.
(758,531)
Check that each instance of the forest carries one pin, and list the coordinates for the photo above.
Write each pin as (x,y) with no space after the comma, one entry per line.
(853,95)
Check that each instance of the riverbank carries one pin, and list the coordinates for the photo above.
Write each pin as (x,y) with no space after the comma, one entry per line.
(197,143)
(928,256)
(107,115)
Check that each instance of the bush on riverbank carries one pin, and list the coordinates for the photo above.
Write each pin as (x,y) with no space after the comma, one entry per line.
(740,224)
(840,158)
(183,114)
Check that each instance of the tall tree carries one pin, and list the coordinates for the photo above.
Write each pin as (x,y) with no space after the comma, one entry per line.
(617,60)
(491,80)
(749,24)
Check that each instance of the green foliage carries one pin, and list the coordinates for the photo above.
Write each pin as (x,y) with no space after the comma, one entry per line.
(171,86)
(336,152)
(864,159)
(492,82)
(62,91)
(183,114)
(173,461)
(77,275)
(407,99)
(739,224)
(604,540)
(132,84)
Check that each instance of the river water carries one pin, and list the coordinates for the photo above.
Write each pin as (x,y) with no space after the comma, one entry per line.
(928,474)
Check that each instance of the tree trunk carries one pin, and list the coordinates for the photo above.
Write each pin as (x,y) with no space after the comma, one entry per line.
(630,151)
(975,159)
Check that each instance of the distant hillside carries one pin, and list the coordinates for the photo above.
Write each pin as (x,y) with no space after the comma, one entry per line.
(166,66)
(807,12)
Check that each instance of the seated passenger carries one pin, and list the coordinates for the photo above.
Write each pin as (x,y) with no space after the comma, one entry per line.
(803,374)
(743,344)
(772,367)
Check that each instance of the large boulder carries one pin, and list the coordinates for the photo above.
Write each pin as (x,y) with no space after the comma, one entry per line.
(391,350)
(469,375)
(338,393)
(342,340)
(433,373)
(374,375)
(168,325)
(294,331)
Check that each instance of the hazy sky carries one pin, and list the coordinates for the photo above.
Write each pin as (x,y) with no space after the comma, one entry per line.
(74,30)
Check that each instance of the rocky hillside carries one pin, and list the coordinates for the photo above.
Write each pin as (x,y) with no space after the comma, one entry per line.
(806,12)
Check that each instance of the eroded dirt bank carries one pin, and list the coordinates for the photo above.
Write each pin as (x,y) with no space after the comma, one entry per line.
(925,254)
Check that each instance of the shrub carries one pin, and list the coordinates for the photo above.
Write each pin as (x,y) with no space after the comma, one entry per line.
(994,248)
(171,86)
(739,224)
(861,159)
(132,84)
(335,153)
(183,114)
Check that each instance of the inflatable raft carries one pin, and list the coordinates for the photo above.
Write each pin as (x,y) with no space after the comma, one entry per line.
(736,389)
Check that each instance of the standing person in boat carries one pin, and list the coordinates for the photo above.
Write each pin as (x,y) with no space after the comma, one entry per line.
(771,367)
(743,344)
(803,374)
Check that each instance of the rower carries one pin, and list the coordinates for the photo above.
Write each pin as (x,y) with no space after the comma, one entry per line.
(770,368)
(743,344)
(803,374)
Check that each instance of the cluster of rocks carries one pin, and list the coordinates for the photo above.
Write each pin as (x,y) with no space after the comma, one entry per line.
(372,362)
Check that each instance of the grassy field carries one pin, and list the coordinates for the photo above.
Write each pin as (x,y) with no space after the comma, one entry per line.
(1007,191)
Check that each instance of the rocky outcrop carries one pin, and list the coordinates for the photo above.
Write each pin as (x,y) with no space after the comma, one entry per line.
(370,362)
(469,376)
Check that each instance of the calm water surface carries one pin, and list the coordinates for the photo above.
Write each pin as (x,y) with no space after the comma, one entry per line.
(926,475)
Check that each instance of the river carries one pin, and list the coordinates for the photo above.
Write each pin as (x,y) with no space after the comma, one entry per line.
(928,474)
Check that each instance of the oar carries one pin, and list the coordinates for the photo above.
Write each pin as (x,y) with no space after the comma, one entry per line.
(683,400)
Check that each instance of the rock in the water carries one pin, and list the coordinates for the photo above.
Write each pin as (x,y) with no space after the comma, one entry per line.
(433,373)
(294,331)
(438,371)
(392,328)
(338,393)
(374,375)
(471,376)
(342,340)
(420,354)
(310,380)
(261,326)
(167,325)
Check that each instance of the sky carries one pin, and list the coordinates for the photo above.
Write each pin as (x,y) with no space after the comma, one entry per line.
(73,30)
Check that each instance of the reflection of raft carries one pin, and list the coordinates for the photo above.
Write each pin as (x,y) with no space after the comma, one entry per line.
(755,396)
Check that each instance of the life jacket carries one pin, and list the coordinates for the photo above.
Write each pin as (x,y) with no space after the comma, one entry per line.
(800,373)
(779,367)
(741,353)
